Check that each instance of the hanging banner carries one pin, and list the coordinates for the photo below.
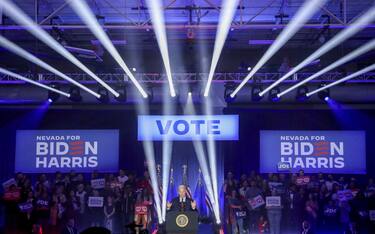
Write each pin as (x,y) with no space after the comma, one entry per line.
(187,127)
(313,151)
(48,151)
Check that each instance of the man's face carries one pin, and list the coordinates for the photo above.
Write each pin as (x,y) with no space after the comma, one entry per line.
(182,191)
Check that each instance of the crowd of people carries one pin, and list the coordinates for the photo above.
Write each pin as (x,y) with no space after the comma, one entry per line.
(63,204)
(255,203)
(299,203)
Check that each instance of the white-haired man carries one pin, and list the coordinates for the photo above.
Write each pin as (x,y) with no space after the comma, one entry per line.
(182,202)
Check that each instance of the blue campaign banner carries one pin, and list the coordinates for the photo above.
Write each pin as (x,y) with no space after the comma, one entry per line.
(342,152)
(187,127)
(48,151)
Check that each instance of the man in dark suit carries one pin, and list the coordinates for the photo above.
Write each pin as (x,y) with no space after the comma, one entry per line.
(182,202)
(69,227)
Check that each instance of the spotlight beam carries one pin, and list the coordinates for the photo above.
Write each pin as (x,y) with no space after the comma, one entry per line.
(22,19)
(198,147)
(211,150)
(351,76)
(32,58)
(302,16)
(335,41)
(148,147)
(358,52)
(225,20)
(158,23)
(17,76)
(84,12)
(168,109)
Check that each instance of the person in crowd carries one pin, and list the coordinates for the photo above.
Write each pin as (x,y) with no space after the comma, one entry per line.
(109,211)
(254,213)
(312,208)
(262,225)
(96,214)
(274,214)
(69,228)
(142,214)
(237,213)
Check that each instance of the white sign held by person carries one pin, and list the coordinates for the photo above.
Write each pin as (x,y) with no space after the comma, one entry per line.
(98,183)
(96,202)
(273,201)
(9,182)
(344,195)
(256,202)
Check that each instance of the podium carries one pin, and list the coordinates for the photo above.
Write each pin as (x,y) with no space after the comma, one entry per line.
(185,222)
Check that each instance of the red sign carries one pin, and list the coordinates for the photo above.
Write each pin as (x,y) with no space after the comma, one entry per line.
(13,195)
(302,180)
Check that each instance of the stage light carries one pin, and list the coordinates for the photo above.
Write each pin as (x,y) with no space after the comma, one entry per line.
(84,12)
(351,76)
(190,94)
(123,94)
(53,96)
(134,69)
(255,90)
(75,94)
(248,68)
(335,41)
(304,13)
(325,95)
(104,98)
(228,89)
(157,18)
(227,13)
(30,57)
(273,95)
(352,55)
(301,93)
(17,76)
(21,18)
(150,93)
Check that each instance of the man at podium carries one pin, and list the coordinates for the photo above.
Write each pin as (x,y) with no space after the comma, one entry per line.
(182,202)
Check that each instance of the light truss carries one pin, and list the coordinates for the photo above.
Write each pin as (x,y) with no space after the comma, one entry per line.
(186,77)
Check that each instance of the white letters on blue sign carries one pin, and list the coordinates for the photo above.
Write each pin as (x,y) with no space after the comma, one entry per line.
(187,127)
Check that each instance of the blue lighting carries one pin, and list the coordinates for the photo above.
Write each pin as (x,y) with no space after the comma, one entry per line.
(326,99)
(50,100)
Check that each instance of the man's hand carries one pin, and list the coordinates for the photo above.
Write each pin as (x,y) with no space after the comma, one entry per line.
(193,205)
(169,205)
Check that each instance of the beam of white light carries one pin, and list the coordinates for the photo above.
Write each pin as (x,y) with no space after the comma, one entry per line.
(335,41)
(157,18)
(84,12)
(211,150)
(30,57)
(358,52)
(198,147)
(228,11)
(22,19)
(151,166)
(168,109)
(351,76)
(148,147)
(15,75)
(306,11)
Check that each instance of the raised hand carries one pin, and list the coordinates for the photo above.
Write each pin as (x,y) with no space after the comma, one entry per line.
(169,205)
(193,205)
